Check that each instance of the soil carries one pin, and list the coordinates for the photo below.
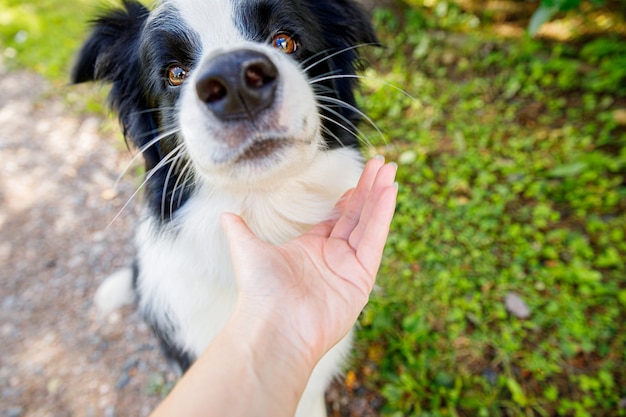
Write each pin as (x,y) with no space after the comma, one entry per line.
(60,237)
(56,246)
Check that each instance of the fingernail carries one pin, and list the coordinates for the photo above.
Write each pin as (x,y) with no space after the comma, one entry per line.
(380,158)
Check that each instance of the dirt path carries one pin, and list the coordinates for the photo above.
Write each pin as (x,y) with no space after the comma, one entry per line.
(56,200)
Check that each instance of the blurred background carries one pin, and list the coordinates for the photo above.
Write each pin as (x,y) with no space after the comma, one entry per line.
(503,288)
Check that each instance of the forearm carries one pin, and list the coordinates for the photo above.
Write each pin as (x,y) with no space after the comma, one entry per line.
(248,370)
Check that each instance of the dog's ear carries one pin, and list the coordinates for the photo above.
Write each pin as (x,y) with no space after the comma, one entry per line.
(111,48)
(352,23)
(347,22)
(347,29)
(112,54)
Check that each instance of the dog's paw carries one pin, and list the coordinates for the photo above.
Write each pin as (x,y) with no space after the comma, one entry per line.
(116,291)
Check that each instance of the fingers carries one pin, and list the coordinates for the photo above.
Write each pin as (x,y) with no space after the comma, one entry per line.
(324,229)
(238,234)
(351,214)
(360,264)
(369,251)
(385,177)
(235,227)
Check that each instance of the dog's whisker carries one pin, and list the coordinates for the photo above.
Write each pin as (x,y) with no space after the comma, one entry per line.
(361,77)
(330,133)
(334,54)
(153,110)
(320,89)
(140,152)
(175,168)
(166,160)
(175,161)
(186,174)
(357,133)
(355,110)
(156,131)
(313,80)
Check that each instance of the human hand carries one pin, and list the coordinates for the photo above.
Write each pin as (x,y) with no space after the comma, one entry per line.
(313,288)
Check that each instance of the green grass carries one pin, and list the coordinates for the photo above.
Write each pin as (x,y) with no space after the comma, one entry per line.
(512,180)
(512,171)
(44,35)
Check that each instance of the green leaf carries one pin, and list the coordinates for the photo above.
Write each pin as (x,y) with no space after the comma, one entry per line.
(541,16)
(516,392)
(621,296)
(568,171)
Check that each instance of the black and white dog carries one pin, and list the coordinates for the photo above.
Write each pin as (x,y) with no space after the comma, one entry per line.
(242,106)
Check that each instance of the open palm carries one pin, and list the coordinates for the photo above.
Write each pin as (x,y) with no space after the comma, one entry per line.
(315,286)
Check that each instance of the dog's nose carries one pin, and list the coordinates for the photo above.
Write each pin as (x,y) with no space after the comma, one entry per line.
(237,84)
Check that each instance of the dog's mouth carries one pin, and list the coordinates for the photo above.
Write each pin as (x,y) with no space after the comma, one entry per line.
(261,150)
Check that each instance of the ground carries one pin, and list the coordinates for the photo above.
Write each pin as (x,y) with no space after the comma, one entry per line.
(57,199)
(60,237)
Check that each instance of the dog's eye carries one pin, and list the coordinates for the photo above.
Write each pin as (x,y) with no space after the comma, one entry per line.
(176,75)
(285,43)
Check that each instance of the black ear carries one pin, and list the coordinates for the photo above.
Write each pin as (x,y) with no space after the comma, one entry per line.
(345,22)
(112,46)
(346,29)
(112,54)
(351,23)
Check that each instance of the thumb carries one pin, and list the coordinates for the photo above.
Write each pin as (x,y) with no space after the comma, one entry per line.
(236,229)
(241,239)
(245,248)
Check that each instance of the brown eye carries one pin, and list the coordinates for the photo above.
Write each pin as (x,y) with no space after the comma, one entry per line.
(176,75)
(284,43)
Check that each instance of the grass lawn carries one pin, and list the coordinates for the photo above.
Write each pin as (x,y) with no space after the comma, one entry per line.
(512,165)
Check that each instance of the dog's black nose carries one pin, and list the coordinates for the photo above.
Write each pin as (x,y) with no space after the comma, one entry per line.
(237,84)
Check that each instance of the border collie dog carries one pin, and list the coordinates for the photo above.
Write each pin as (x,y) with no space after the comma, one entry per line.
(242,106)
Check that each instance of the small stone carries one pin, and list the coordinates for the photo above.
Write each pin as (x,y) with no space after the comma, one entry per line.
(90,412)
(15,412)
(130,364)
(108,194)
(9,302)
(109,411)
(407,157)
(516,305)
(122,382)
(490,375)
(53,386)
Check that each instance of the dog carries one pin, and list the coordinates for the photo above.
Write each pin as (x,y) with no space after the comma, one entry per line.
(241,106)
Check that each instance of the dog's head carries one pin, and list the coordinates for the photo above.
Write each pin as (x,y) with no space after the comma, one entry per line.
(230,92)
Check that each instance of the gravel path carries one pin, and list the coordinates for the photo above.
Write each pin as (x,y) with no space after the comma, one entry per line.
(56,199)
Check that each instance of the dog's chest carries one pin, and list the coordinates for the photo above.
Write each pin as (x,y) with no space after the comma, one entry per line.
(186,283)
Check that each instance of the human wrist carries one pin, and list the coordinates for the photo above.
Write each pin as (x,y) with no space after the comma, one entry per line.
(271,333)
(271,340)
(251,352)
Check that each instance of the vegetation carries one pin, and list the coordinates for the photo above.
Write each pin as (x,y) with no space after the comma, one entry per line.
(44,34)
(512,166)
(512,154)
(548,8)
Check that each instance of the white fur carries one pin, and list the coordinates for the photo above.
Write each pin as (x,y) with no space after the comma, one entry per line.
(294,120)
(186,276)
(212,20)
(116,291)
(186,272)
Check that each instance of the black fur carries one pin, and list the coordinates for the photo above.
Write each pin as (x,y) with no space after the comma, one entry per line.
(132,54)
(169,349)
